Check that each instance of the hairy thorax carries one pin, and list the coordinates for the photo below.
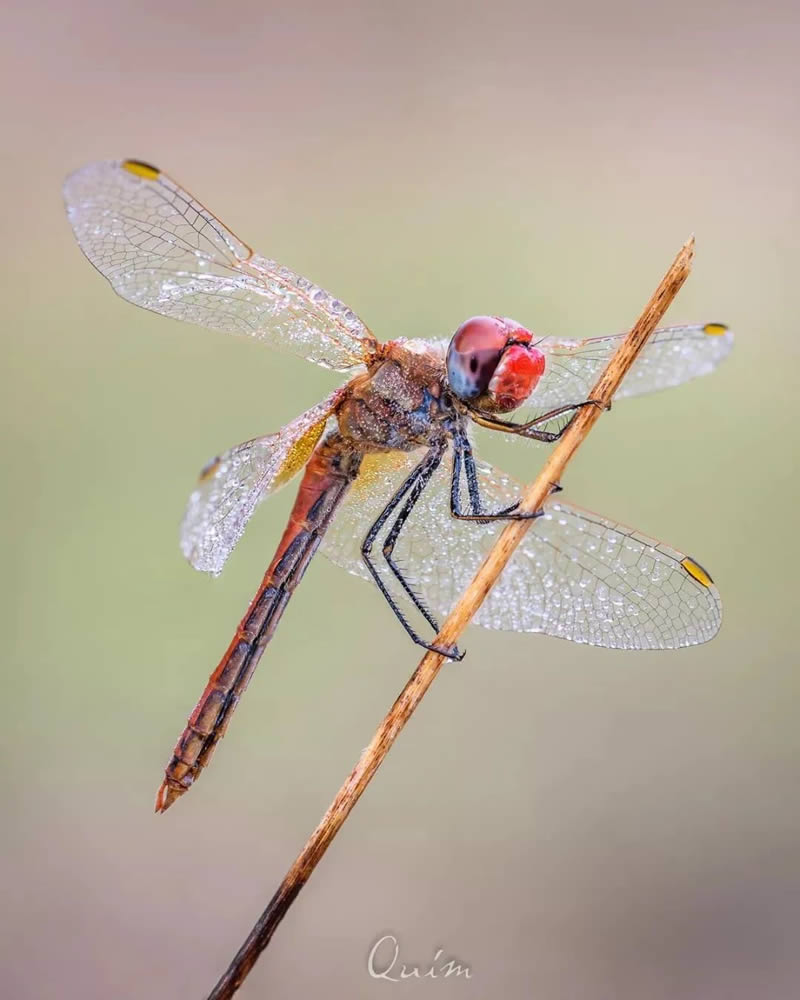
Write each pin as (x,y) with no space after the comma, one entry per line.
(398,404)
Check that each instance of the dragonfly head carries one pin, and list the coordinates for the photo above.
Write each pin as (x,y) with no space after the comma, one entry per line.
(491,364)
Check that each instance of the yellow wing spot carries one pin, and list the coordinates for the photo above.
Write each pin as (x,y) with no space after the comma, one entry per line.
(696,571)
(300,452)
(208,471)
(141,169)
(375,467)
(715,329)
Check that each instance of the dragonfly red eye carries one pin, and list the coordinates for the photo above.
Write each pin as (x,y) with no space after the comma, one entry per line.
(490,361)
(474,353)
(514,378)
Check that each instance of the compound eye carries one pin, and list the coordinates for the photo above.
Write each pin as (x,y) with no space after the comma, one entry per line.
(474,353)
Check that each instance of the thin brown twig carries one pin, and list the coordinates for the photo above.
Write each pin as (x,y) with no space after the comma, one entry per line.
(465,609)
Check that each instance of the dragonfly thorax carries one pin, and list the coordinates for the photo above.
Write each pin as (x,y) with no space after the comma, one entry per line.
(399,404)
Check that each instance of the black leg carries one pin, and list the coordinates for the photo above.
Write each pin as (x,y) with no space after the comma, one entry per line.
(425,471)
(528,429)
(462,454)
(414,484)
(388,550)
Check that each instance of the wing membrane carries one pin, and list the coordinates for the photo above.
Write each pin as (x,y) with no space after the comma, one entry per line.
(161,249)
(575,576)
(233,484)
(672,355)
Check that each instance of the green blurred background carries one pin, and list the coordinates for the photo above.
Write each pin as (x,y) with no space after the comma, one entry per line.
(574,824)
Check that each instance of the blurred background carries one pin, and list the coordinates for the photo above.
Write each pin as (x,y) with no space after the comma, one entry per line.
(571,823)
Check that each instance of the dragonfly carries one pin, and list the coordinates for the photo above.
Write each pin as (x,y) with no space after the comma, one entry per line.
(391,488)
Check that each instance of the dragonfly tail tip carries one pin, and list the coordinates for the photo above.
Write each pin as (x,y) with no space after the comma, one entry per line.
(165,796)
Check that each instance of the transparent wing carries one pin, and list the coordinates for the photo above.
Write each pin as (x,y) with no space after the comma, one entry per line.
(672,355)
(161,249)
(575,576)
(233,484)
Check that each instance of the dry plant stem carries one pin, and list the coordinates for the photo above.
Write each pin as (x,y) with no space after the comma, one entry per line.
(465,609)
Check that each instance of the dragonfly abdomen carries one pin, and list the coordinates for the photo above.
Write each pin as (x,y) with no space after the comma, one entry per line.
(329,473)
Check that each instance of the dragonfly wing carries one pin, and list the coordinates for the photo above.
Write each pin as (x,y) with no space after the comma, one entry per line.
(232,485)
(161,249)
(575,576)
(672,355)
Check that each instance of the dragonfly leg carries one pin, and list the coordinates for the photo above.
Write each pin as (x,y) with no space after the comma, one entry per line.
(462,455)
(414,484)
(388,551)
(529,429)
